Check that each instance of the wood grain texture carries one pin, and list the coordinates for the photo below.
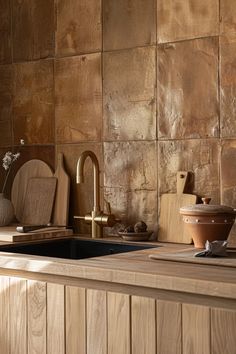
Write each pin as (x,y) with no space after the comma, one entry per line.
(75,321)
(96,322)
(39,199)
(37,322)
(223,324)
(118,323)
(9,234)
(61,204)
(196,329)
(168,317)
(4,315)
(143,314)
(171,225)
(55,319)
(30,169)
(18,315)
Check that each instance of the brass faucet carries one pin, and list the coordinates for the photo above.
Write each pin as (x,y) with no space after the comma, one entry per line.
(97,218)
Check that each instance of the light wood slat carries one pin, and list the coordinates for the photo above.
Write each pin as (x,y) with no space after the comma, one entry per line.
(96,322)
(118,322)
(75,320)
(143,325)
(18,316)
(223,331)
(169,340)
(4,315)
(55,319)
(36,317)
(196,329)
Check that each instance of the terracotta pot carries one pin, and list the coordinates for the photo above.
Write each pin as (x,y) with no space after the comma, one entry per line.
(6,211)
(208,222)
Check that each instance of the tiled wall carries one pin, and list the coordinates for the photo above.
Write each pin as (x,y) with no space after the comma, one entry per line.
(149,86)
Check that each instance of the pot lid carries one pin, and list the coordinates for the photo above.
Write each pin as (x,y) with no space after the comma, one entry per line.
(206,209)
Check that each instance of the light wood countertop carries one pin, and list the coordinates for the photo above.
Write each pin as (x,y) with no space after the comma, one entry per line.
(135,268)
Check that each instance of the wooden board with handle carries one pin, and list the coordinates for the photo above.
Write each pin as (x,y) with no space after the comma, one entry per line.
(32,168)
(9,234)
(171,225)
(61,205)
(39,200)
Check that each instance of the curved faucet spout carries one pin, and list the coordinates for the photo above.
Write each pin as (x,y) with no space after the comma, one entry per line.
(80,175)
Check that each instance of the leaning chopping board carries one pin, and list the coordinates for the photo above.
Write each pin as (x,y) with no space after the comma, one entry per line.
(61,205)
(32,168)
(171,225)
(9,234)
(39,200)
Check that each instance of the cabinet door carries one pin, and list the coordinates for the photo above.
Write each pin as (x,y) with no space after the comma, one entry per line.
(118,323)
(55,319)
(196,329)
(223,331)
(36,314)
(169,330)
(143,325)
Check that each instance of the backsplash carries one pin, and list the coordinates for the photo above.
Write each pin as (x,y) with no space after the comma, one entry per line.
(149,86)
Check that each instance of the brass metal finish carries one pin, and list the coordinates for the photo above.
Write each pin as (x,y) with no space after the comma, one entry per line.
(97,218)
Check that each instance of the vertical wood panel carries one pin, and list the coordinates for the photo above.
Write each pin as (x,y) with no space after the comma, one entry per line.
(36,317)
(223,330)
(196,329)
(118,323)
(4,315)
(96,322)
(55,319)
(18,311)
(169,339)
(75,320)
(143,325)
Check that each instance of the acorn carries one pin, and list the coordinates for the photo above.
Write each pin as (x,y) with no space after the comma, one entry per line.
(140,227)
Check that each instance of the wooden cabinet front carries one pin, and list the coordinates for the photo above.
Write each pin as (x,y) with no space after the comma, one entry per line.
(40,317)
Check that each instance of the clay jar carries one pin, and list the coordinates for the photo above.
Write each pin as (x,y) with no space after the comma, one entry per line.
(208,222)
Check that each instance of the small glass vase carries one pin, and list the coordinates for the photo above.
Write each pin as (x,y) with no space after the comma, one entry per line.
(6,211)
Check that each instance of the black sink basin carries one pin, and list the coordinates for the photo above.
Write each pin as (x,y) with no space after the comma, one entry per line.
(73,248)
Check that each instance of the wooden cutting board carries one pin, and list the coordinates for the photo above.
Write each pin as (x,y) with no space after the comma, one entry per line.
(9,234)
(171,225)
(39,198)
(188,257)
(61,205)
(32,168)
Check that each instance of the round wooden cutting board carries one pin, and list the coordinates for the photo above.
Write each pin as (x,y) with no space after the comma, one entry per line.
(32,168)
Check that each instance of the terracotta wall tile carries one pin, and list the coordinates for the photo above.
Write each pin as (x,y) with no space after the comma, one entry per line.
(5,32)
(78,90)
(188,89)
(130,165)
(33,29)
(81,197)
(228,16)
(5,105)
(228,178)
(128,23)
(129,94)
(130,180)
(198,156)
(178,20)
(131,206)
(33,102)
(228,85)
(78,27)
